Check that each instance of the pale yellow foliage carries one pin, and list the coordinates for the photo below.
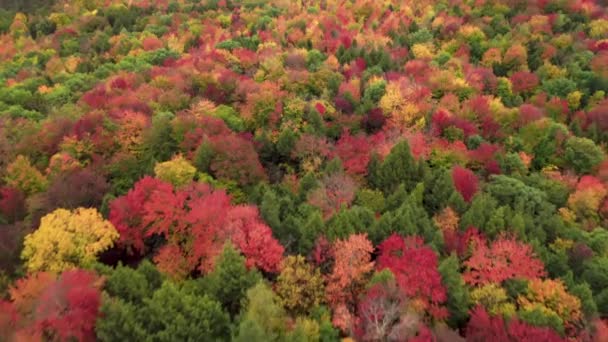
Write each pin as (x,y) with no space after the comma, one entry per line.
(494,299)
(177,171)
(598,28)
(423,51)
(574,99)
(67,239)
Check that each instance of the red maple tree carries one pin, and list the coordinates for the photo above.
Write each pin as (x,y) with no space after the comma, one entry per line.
(504,259)
(483,327)
(465,182)
(415,268)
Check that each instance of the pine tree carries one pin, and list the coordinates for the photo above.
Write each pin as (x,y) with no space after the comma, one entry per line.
(458,302)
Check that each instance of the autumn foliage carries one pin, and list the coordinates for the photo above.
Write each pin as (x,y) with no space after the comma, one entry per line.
(500,260)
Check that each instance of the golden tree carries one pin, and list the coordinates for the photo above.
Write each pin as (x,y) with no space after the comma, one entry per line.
(177,171)
(67,239)
(299,286)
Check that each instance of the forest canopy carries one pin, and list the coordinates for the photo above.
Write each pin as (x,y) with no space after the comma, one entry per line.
(311,170)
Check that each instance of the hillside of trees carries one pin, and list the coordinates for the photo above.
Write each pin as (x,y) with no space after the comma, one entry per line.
(311,170)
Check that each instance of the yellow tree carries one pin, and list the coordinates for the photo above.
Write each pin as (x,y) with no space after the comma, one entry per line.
(67,239)
(22,175)
(494,299)
(551,296)
(299,286)
(177,171)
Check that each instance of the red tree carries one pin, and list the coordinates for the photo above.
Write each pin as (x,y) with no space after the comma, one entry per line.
(523,81)
(354,153)
(504,259)
(465,182)
(483,327)
(194,221)
(65,308)
(12,204)
(126,212)
(415,268)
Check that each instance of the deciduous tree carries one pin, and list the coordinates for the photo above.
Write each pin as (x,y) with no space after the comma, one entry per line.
(503,259)
(67,239)
(299,285)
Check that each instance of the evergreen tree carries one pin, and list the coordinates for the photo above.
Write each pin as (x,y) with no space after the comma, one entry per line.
(458,295)
(230,279)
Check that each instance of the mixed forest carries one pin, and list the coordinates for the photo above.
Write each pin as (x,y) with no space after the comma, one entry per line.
(311,170)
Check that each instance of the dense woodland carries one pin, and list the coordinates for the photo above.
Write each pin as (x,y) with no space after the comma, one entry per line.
(318,170)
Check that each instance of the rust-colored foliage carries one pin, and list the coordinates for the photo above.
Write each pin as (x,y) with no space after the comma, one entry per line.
(63,307)
(503,259)
(345,283)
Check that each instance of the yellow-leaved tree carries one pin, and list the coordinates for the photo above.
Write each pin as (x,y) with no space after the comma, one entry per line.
(177,171)
(299,286)
(22,175)
(551,297)
(67,239)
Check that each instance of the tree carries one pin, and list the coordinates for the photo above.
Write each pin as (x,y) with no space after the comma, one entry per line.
(458,301)
(483,327)
(524,82)
(12,204)
(493,299)
(20,174)
(58,308)
(354,153)
(595,273)
(415,270)
(195,221)
(335,191)
(235,158)
(504,259)
(398,167)
(465,182)
(409,218)
(172,313)
(76,188)
(263,318)
(582,154)
(551,296)
(127,211)
(383,313)
(299,286)
(230,279)
(133,285)
(68,239)
(253,237)
(118,320)
(177,171)
(352,263)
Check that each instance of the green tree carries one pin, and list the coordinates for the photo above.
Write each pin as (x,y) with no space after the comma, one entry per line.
(133,285)
(582,154)
(263,318)
(398,167)
(596,275)
(172,314)
(230,279)
(409,219)
(458,302)
(119,321)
